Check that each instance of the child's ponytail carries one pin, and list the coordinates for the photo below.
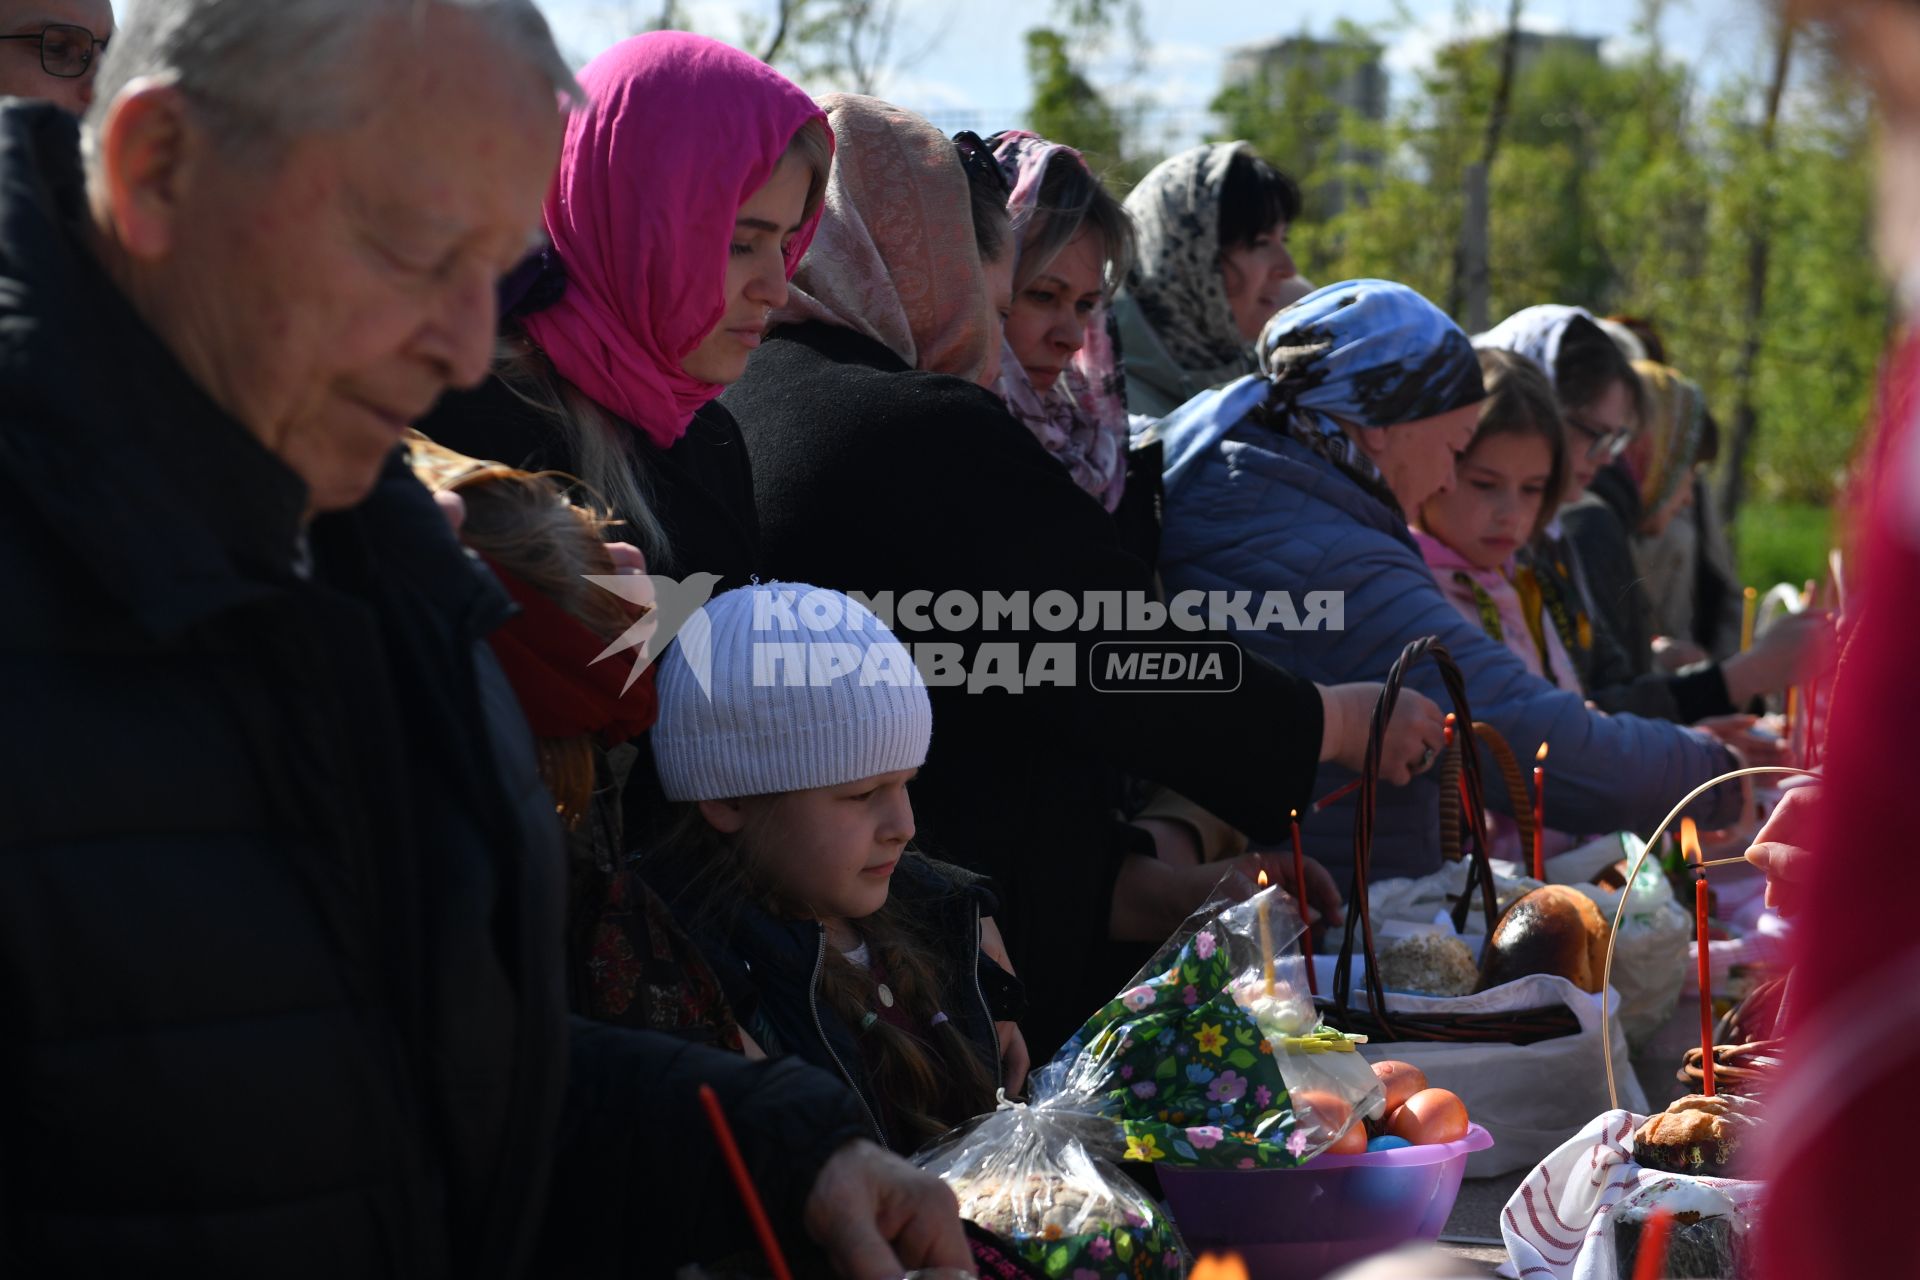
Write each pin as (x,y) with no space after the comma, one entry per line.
(931,1083)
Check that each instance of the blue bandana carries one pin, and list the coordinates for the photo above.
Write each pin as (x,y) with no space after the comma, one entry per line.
(1367,352)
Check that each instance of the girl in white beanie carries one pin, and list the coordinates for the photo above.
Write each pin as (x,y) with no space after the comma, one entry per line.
(791,722)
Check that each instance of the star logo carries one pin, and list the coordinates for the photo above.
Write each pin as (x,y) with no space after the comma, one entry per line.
(675,607)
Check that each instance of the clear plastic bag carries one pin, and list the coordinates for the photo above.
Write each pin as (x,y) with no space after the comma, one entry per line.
(1213,1057)
(1042,1178)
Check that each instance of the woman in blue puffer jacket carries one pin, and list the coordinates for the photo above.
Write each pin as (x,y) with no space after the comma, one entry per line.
(1298,479)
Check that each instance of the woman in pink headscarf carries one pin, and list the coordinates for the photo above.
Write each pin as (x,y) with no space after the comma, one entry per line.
(687,192)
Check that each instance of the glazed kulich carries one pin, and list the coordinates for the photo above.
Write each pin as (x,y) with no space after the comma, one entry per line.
(1708,1240)
(1697,1135)
(1554,929)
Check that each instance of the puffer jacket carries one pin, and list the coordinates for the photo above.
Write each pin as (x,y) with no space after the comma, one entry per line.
(1261,512)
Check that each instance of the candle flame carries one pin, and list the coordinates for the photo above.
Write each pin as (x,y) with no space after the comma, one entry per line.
(1264,882)
(1690,841)
(1541,754)
(1296,815)
(1219,1266)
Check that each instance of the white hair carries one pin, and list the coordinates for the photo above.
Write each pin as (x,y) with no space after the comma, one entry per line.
(265,71)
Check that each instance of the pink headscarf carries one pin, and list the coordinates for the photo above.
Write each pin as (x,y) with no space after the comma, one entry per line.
(897,259)
(679,131)
(1082,419)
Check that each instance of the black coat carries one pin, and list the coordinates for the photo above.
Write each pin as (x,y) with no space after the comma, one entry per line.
(770,969)
(873,477)
(1599,526)
(702,487)
(280,892)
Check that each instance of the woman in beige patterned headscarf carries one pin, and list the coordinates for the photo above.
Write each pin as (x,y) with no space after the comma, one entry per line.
(896,256)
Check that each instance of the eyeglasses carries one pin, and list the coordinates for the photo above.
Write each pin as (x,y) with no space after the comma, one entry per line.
(977,157)
(65,51)
(1604,444)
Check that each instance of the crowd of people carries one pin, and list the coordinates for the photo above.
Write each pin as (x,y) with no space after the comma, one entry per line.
(375,392)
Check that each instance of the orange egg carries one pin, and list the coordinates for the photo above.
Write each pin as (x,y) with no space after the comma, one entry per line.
(1429,1117)
(1316,1108)
(1351,1143)
(1401,1080)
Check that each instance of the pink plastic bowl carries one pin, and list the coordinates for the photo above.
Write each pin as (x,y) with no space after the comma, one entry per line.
(1299,1224)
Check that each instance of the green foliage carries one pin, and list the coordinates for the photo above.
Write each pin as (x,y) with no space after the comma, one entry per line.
(1784,542)
(1068,108)
(1622,187)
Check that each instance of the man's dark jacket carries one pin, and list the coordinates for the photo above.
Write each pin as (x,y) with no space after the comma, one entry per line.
(280,893)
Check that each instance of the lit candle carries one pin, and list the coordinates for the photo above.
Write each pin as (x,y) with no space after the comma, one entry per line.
(1266,937)
(1690,841)
(1540,813)
(1793,736)
(1750,600)
(1446,745)
(1300,888)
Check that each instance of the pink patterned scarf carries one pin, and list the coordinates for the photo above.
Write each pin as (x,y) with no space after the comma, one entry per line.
(895,258)
(1082,420)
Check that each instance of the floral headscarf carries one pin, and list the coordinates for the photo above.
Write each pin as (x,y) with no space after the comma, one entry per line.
(895,257)
(646,276)
(1176,279)
(1675,419)
(1082,419)
(1368,352)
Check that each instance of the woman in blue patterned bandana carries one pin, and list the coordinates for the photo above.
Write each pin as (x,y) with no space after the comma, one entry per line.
(1300,479)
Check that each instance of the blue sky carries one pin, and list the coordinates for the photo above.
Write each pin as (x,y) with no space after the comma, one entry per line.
(973,70)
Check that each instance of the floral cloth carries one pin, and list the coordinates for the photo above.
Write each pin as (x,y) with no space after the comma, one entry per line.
(1192,1079)
(644,972)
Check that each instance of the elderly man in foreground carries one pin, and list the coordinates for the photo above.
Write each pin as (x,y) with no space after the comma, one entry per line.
(280,894)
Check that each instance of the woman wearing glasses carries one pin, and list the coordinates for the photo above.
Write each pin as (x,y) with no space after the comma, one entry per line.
(1583,562)
(49,49)
(885,464)
(1302,478)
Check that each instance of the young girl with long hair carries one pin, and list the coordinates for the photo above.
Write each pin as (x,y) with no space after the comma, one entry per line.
(791,722)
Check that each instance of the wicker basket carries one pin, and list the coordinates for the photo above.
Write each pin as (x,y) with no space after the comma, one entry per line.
(1524,1026)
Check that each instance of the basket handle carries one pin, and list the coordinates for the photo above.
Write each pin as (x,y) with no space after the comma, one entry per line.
(1359,911)
(1452,832)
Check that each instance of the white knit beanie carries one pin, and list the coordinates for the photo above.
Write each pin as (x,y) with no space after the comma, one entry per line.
(804,688)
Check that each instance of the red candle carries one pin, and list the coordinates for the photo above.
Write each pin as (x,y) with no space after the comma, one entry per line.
(1690,843)
(1652,1255)
(1540,813)
(743,1184)
(1300,887)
